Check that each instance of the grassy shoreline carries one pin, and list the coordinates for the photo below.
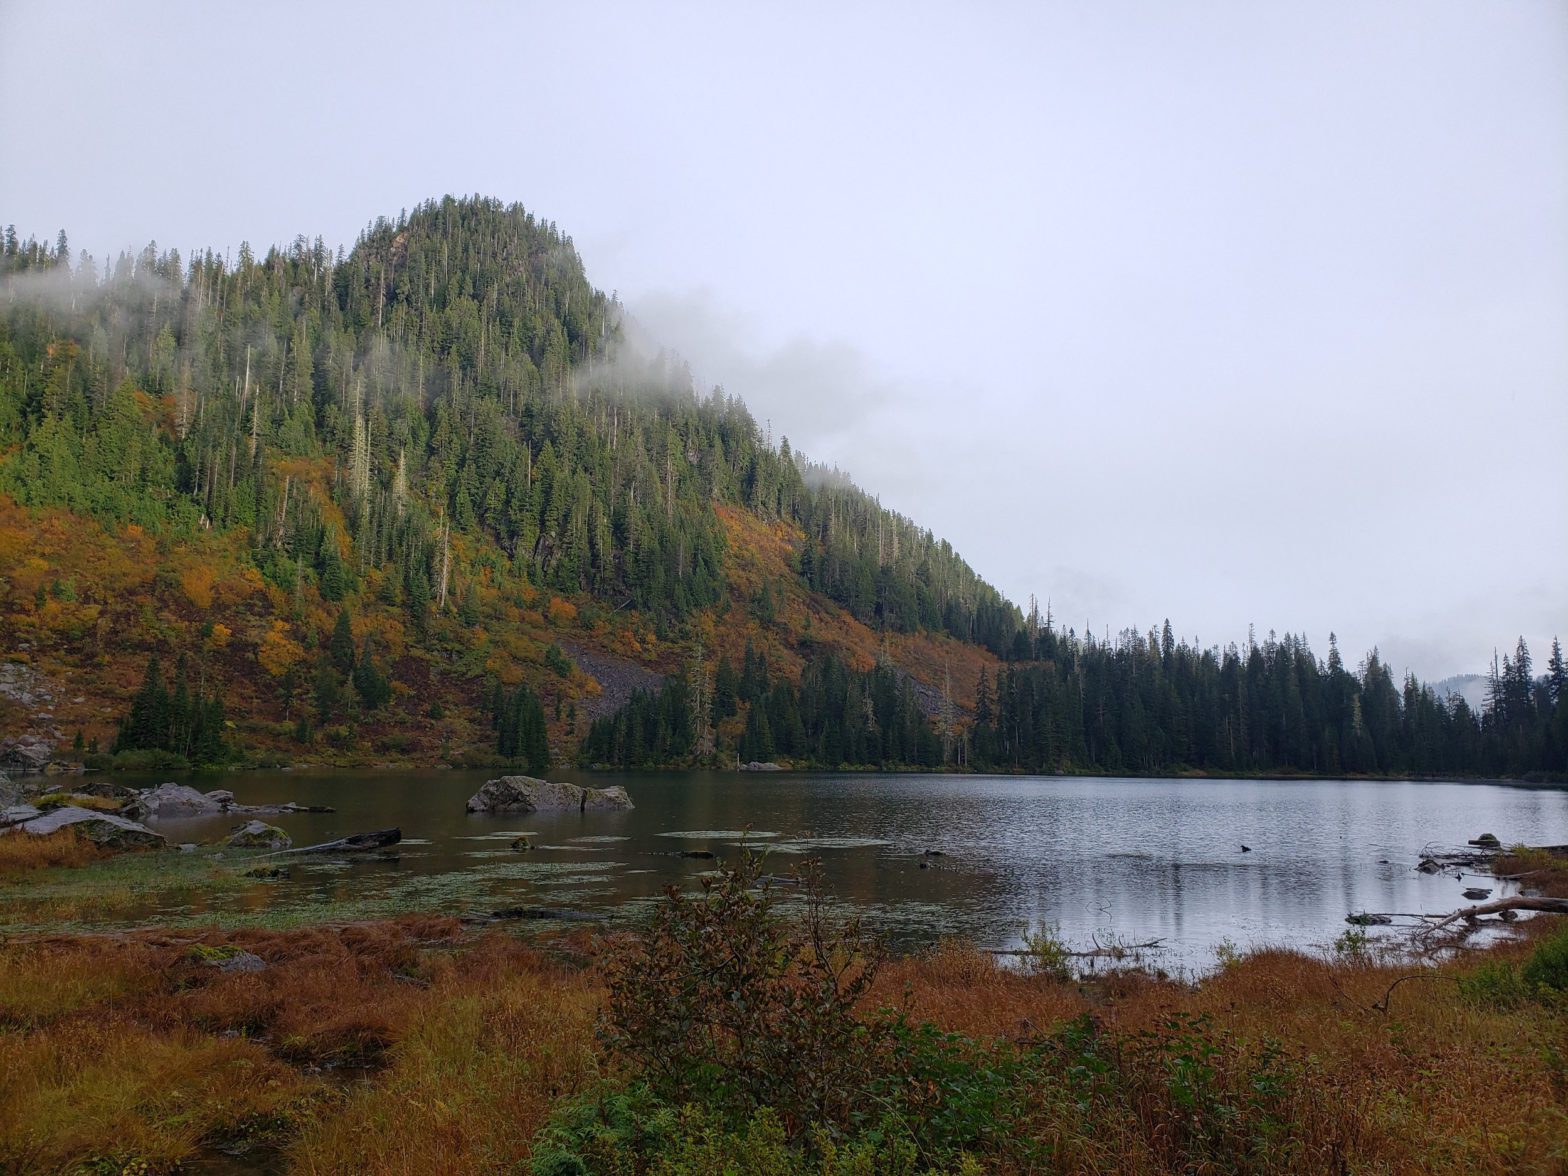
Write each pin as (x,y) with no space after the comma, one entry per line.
(416,1044)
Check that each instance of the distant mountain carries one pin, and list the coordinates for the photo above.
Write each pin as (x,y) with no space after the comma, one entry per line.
(443,435)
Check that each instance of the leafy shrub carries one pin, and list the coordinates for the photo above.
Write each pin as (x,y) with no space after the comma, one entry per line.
(147,760)
(1495,984)
(633,1132)
(724,1002)
(1547,967)
(1353,946)
(1046,953)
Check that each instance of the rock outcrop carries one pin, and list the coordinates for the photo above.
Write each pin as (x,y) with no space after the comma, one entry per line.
(177,801)
(527,794)
(104,830)
(259,835)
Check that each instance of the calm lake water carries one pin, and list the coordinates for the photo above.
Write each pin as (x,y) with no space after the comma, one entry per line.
(1098,859)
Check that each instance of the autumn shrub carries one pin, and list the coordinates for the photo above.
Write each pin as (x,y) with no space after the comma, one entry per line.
(725,1002)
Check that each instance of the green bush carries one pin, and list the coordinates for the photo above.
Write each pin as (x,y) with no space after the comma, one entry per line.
(1547,967)
(631,1131)
(1495,984)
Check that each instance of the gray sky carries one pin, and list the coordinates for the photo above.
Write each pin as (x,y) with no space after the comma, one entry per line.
(1226,312)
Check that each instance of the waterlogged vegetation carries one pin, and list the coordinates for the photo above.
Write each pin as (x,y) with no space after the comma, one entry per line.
(747,1026)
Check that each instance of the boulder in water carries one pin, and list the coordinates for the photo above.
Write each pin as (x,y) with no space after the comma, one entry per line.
(175,801)
(259,835)
(528,794)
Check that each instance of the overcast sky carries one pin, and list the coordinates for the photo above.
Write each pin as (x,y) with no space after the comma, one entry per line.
(1221,312)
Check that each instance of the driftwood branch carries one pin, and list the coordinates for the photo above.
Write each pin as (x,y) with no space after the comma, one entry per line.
(1112,951)
(1554,906)
(353,843)
(1382,1005)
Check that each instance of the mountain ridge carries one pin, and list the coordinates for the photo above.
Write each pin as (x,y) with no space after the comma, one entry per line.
(386,505)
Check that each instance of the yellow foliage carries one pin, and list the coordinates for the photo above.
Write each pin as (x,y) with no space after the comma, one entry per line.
(505,670)
(561,612)
(220,635)
(197,583)
(277,652)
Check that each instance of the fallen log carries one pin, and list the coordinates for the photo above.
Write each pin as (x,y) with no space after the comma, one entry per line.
(537,912)
(353,843)
(1553,906)
(1114,951)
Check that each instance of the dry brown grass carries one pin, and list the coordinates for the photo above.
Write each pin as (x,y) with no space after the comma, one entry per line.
(1420,1079)
(134,1047)
(21,853)
(474,1078)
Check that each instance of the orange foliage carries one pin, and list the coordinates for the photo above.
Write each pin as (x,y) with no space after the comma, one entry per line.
(277,652)
(197,581)
(562,613)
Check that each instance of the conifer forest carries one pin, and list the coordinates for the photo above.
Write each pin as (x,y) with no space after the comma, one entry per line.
(424,498)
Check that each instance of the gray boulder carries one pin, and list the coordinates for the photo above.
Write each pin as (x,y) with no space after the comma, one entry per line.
(28,755)
(259,835)
(174,801)
(17,814)
(527,794)
(761,766)
(104,830)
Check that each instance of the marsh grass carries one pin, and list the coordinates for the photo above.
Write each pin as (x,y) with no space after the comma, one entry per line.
(25,853)
(85,889)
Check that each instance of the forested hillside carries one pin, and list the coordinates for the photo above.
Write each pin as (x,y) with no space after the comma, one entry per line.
(421,500)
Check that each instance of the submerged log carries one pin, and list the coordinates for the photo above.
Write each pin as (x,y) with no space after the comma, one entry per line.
(353,843)
(538,912)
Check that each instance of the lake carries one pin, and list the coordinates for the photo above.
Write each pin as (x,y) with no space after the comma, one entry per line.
(1098,859)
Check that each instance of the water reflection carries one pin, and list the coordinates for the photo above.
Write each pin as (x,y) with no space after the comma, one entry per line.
(1128,859)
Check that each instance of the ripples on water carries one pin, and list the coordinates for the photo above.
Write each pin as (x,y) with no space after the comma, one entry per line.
(1097,859)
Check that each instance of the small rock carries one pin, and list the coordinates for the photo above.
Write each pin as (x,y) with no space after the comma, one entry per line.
(259,835)
(1367,919)
(268,872)
(1487,841)
(935,853)
(187,847)
(241,961)
(702,854)
(1246,849)
(1428,866)
(1508,916)
(1476,892)
(521,844)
